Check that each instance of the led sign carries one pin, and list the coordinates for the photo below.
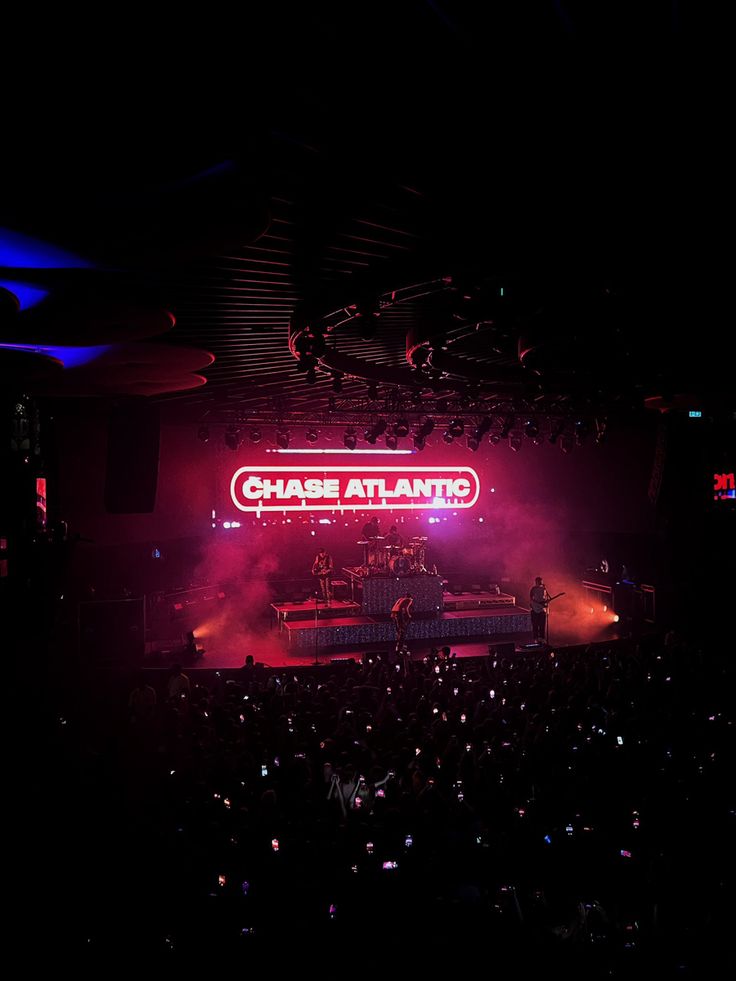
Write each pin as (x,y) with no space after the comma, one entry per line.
(723,487)
(353,488)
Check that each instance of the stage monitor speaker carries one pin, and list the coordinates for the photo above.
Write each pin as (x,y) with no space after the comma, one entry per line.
(132,459)
(502,650)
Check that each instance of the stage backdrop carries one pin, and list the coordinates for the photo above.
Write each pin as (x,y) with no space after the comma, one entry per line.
(526,511)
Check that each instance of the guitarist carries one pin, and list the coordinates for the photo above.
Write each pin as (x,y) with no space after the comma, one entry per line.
(322,567)
(538,599)
(401,615)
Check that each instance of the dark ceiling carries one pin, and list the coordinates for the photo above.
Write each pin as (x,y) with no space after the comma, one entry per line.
(535,220)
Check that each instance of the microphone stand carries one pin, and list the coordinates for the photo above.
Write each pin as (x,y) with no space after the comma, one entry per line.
(546,625)
(316,642)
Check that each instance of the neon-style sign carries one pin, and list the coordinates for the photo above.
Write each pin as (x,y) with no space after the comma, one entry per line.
(353,488)
(723,486)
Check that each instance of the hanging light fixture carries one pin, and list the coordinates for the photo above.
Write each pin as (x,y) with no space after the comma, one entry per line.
(232,438)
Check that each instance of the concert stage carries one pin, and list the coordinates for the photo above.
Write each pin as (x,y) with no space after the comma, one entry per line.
(447,626)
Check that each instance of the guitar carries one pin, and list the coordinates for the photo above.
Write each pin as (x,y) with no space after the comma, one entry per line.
(550,598)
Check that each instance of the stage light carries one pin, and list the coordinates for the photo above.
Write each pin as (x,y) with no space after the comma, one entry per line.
(350,439)
(531,428)
(448,437)
(456,427)
(601,427)
(377,429)
(556,431)
(315,340)
(255,436)
(515,442)
(311,436)
(391,442)
(401,428)
(616,618)
(203,433)
(566,444)
(426,427)
(507,424)
(481,429)
(419,356)
(282,438)
(337,382)
(373,391)
(311,377)
(495,439)
(232,438)
(581,431)
(419,442)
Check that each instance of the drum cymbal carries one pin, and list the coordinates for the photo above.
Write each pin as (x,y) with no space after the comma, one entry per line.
(362,542)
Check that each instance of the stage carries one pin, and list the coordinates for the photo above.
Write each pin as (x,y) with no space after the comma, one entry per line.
(446,626)
(301,633)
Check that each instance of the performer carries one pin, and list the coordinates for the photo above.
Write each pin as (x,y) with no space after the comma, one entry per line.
(322,567)
(372,529)
(393,538)
(538,598)
(401,615)
(372,557)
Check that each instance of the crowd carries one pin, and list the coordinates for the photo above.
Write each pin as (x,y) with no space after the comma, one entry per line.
(564,810)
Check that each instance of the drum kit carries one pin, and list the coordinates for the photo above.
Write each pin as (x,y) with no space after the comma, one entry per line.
(398,560)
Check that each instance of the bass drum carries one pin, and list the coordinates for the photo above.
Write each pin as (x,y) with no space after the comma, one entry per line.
(400,565)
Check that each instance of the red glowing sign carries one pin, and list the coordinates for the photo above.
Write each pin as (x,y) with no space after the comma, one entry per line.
(40,502)
(354,488)
(723,487)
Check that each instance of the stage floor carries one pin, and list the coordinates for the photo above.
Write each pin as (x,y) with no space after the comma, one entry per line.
(268,648)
